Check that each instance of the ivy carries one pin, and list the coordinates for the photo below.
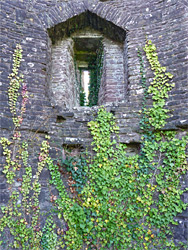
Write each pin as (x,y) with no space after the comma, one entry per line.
(49,238)
(10,167)
(96,69)
(159,88)
(16,81)
(121,201)
(77,166)
(116,207)
(23,188)
(82,97)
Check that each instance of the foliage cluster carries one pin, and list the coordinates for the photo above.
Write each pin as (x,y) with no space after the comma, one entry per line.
(82,97)
(117,208)
(16,80)
(96,69)
(26,233)
(49,237)
(123,202)
(77,167)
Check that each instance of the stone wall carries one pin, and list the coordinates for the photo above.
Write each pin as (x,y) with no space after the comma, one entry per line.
(112,88)
(26,22)
(62,83)
(112,85)
(63,86)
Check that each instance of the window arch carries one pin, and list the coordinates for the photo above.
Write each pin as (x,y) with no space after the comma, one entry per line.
(86,43)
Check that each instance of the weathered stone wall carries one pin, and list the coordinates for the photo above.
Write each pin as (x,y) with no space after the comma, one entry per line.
(62,82)
(26,22)
(112,88)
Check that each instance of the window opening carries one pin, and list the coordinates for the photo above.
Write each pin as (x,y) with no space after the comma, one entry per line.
(86,81)
(90,43)
(84,87)
(88,61)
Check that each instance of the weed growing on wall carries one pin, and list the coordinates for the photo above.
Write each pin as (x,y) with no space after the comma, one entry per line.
(122,202)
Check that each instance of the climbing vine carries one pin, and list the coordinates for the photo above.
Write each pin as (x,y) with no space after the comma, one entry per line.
(21,215)
(117,207)
(95,66)
(77,167)
(16,81)
(120,201)
(49,237)
(82,96)
(159,88)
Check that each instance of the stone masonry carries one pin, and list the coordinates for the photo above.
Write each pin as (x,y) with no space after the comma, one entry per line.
(61,75)
(63,86)
(112,88)
(27,22)
(62,83)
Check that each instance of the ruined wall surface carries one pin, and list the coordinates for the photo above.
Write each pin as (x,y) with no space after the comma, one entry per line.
(26,22)
(62,82)
(112,88)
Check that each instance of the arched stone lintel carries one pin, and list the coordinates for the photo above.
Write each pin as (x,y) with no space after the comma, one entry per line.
(67,10)
(86,19)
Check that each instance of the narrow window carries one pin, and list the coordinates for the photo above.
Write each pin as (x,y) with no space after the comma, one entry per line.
(88,50)
(85,86)
(87,66)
